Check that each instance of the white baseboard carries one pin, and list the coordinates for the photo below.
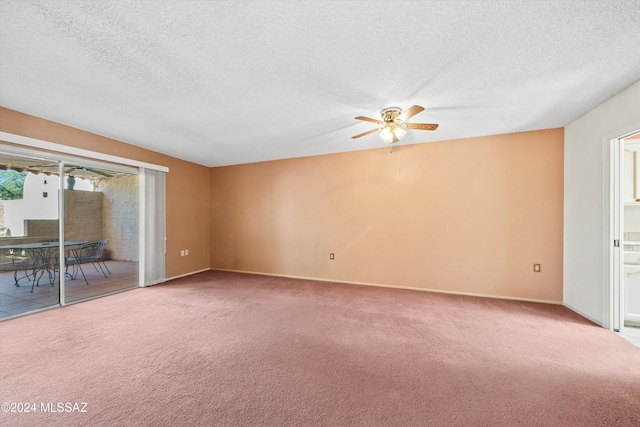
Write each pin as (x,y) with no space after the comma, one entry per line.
(586,316)
(382,285)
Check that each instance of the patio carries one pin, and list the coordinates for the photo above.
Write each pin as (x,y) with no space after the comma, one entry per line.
(15,300)
(99,204)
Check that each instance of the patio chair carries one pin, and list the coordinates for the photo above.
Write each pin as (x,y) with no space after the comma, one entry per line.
(16,261)
(12,261)
(91,252)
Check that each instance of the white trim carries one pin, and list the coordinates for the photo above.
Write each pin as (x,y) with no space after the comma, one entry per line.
(612,231)
(61,251)
(618,232)
(187,274)
(381,285)
(612,273)
(52,146)
(26,313)
(586,316)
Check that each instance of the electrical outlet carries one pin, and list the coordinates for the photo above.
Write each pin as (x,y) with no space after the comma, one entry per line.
(186,252)
(536,268)
(182,252)
(331,256)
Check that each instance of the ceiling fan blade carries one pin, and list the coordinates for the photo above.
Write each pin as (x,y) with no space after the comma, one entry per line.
(367,119)
(412,111)
(365,133)
(420,126)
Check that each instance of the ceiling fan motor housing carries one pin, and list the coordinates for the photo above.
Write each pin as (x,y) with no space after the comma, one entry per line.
(390,114)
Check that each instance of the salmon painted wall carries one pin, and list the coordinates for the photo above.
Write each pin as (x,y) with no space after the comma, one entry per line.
(469,216)
(187,186)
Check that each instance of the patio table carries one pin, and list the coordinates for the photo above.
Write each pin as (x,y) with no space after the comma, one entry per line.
(38,258)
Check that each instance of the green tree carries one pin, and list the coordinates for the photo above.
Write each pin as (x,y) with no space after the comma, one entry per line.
(11,184)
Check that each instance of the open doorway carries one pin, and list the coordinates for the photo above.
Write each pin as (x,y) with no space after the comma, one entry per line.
(625,229)
(630,298)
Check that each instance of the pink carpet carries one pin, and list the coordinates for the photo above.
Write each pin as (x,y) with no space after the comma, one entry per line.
(225,349)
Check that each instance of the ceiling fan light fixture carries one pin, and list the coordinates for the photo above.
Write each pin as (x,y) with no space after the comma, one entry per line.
(386,134)
(399,132)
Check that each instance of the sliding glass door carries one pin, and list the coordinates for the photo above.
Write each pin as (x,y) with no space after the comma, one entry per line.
(29,229)
(98,253)
(100,231)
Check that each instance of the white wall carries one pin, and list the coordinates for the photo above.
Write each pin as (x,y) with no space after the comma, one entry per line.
(585,251)
(33,205)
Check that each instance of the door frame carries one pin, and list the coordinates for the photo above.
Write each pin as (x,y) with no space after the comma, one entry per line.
(613,156)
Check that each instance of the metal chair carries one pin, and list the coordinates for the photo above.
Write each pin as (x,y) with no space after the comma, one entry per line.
(11,260)
(30,262)
(91,252)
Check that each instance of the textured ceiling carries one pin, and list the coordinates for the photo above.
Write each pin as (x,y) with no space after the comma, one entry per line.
(229,82)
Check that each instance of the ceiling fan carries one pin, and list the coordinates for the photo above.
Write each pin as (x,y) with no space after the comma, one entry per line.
(393,126)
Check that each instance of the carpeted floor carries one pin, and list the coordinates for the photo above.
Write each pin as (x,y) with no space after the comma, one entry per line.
(226,349)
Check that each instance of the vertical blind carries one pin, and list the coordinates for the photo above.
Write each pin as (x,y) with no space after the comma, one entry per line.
(152,194)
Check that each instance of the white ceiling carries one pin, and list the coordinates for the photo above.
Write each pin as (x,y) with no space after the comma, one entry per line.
(229,82)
